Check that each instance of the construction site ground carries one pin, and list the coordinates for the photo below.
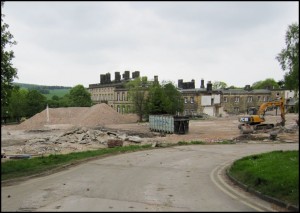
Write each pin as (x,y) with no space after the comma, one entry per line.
(65,130)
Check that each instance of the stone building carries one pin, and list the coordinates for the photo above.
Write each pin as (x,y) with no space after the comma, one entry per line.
(114,92)
(196,100)
(227,101)
(200,100)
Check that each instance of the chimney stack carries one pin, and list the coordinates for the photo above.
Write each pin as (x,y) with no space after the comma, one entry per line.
(117,77)
(202,83)
(180,82)
(209,86)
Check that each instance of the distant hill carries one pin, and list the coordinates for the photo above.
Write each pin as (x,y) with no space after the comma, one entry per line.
(48,91)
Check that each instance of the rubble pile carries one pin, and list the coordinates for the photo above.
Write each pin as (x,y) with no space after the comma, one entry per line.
(97,115)
(76,139)
(285,134)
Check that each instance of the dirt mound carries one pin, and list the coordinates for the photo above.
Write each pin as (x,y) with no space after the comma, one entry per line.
(97,115)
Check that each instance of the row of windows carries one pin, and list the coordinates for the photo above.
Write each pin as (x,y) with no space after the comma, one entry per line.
(249,99)
(109,97)
(191,100)
(105,89)
(236,99)
(123,109)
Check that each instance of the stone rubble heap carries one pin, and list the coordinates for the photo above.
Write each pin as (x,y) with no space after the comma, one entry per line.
(77,139)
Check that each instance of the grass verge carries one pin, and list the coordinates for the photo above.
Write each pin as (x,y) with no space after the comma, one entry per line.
(275,174)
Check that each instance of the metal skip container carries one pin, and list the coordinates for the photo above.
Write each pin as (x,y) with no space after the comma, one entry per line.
(169,124)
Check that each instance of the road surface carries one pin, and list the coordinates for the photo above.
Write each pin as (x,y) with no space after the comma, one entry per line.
(182,178)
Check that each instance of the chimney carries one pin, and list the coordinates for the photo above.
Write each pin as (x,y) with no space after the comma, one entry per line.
(192,84)
(126,75)
(247,87)
(107,78)
(202,83)
(136,74)
(180,82)
(102,79)
(117,77)
(209,86)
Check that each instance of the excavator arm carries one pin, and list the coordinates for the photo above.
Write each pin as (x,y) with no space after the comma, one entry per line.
(279,103)
(251,122)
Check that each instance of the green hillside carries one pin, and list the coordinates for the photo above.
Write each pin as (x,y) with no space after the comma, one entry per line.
(48,91)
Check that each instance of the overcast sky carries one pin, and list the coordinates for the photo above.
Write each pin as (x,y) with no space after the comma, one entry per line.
(71,43)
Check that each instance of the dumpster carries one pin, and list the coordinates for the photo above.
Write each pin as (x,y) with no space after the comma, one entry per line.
(169,124)
(181,124)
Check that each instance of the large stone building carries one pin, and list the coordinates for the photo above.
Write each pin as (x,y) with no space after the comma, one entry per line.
(227,101)
(196,100)
(114,92)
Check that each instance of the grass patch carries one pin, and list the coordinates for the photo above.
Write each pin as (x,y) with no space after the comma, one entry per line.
(226,142)
(275,174)
(26,167)
(182,143)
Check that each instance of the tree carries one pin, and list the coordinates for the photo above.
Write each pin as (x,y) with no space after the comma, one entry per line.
(289,58)
(17,103)
(164,99)
(65,101)
(155,100)
(137,90)
(54,102)
(8,72)
(219,85)
(80,97)
(36,102)
(172,102)
(268,83)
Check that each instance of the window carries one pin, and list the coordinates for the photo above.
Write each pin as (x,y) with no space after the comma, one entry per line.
(118,96)
(192,100)
(249,99)
(225,99)
(123,98)
(185,100)
(258,98)
(236,99)
(265,98)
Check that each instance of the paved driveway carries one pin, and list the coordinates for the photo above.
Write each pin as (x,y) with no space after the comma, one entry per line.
(182,178)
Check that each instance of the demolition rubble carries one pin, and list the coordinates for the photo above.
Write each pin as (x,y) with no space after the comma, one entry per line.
(76,129)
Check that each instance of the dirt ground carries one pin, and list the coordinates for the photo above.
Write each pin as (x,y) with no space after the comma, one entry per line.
(39,141)
(218,129)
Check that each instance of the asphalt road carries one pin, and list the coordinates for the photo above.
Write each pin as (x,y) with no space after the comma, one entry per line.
(182,178)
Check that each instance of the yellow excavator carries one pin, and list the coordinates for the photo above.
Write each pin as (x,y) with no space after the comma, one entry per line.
(249,123)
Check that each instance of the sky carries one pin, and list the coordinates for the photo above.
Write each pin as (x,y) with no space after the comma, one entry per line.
(65,43)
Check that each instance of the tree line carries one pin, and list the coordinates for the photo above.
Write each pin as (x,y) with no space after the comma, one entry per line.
(25,103)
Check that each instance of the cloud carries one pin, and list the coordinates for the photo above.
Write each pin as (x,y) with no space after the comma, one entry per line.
(69,43)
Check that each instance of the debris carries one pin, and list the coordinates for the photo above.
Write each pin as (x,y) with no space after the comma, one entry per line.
(113,143)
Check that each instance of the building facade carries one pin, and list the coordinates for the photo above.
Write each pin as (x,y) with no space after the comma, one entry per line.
(227,101)
(197,101)
(113,92)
